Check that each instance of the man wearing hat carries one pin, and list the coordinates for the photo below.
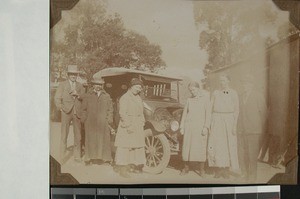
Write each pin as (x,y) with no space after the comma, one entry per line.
(68,98)
(97,115)
(251,125)
(130,138)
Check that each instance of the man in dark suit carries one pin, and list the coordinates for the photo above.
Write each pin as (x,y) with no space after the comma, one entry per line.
(252,119)
(68,99)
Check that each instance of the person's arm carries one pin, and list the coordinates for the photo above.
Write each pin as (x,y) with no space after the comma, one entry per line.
(183,117)
(211,106)
(110,110)
(208,110)
(83,108)
(58,96)
(81,92)
(143,116)
(124,120)
(236,104)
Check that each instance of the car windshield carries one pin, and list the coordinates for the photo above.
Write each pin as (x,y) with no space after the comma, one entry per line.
(162,90)
(156,88)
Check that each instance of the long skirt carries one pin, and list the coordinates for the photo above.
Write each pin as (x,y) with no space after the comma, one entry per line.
(194,143)
(125,156)
(222,144)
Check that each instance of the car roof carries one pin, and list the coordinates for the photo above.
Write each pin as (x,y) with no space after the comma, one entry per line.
(121,71)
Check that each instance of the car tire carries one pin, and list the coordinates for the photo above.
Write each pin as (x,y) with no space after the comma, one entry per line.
(157,152)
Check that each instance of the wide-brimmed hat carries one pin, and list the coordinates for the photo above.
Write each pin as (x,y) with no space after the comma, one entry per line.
(98,81)
(72,69)
(136,81)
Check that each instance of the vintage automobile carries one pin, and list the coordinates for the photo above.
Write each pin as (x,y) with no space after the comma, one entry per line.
(162,111)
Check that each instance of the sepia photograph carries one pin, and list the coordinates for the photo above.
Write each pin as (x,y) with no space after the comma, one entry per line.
(173,92)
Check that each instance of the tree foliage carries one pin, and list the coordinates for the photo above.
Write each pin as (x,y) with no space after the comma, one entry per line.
(233,29)
(95,40)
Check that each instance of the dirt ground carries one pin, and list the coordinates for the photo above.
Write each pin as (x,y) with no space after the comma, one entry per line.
(104,173)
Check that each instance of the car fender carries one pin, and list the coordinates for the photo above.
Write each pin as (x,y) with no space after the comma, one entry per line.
(155,126)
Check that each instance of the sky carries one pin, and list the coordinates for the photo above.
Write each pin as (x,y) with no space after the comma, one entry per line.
(169,23)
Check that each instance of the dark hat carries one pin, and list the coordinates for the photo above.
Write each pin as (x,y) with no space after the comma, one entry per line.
(72,69)
(98,81)
(136,81)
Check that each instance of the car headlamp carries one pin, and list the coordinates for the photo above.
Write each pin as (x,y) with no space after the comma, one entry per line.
(174,125)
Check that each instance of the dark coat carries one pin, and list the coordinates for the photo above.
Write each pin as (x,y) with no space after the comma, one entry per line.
(97,115)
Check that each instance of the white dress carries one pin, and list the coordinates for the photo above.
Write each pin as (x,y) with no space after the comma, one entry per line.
(222,142)
(196,116)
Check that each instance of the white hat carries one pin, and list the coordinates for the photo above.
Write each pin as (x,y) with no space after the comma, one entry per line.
(72,69)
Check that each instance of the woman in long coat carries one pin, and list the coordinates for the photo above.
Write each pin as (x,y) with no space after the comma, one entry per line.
(194,126)
(130,137)
(97,113)
(222,141)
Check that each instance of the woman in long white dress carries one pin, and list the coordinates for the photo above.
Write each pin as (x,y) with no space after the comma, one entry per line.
(222,141)
(194,125)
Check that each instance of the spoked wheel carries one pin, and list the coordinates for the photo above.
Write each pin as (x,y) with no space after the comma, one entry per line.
(157,152)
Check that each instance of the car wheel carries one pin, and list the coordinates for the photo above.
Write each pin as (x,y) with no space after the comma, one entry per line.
(157,152)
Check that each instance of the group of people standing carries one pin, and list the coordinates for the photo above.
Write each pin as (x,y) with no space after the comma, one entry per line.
(94,109)
(224,129)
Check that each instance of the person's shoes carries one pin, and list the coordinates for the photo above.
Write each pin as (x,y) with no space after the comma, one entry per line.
(77,161)
(131,168)
(124,172)
(184,171)
(108,162)
(117,168)
(276,166)
(218,174)
(261,160)
(202,173)
(225,174)
(138,169)
(98,162)
(88,163)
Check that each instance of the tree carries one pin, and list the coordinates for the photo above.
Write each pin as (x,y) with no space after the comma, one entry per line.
(95,40)
(233,29)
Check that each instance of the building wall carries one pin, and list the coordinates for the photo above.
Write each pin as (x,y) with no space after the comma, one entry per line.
(276,75)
